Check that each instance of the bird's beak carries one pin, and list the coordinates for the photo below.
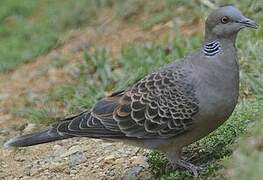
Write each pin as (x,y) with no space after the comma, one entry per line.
(246,22)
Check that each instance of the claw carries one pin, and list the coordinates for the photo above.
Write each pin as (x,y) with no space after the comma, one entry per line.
(184,164)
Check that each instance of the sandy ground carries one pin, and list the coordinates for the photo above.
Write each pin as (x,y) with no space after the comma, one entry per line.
(74,158)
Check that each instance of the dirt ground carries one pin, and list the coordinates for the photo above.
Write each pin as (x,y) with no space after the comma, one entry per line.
(74,158)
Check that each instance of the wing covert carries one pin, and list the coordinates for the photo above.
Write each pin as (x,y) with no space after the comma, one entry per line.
(159,106)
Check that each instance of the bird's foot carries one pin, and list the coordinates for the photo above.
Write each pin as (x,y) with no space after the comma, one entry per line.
(189,166)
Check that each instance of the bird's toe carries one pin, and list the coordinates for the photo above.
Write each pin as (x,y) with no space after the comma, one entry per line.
(186,165)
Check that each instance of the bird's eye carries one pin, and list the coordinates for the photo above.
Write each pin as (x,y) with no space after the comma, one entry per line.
(224,19)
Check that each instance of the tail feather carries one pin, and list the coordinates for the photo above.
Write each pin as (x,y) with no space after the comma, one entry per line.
(34,139)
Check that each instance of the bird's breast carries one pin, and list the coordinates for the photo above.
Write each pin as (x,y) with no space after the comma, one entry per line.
(217,89)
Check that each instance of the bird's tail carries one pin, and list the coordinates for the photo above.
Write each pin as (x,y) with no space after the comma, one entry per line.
(45,136)
(34,139)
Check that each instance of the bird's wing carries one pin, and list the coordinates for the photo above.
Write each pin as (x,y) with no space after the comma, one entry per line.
(159,106)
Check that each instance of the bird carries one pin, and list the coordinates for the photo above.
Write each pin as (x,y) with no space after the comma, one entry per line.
(173,106)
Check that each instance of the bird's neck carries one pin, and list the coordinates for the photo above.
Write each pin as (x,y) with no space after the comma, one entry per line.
(229,39)
(223,41)
(223,49)
(213,44)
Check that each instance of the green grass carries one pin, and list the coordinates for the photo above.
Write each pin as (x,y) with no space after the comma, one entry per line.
(247,159)
(215,149)
(157,11)
(100,75)
(30,28)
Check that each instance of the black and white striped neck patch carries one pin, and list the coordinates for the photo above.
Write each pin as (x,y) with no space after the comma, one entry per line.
(212,48)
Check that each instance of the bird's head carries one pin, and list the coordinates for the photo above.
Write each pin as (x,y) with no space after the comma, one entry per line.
(226,22)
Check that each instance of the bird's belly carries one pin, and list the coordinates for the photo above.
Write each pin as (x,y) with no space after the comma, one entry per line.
(219,106)
(211,115)
(216,105)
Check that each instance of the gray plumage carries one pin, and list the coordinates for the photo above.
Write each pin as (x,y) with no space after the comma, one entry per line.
(172,107)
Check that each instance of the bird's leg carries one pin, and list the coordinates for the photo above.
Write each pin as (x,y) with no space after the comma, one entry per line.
(174,157)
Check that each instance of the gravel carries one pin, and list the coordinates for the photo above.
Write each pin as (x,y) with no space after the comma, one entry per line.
(75,159)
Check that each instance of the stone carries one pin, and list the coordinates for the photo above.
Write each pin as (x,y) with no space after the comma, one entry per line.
(29,128)
(76,159)
(140,160)
(132,173)
(72,150)
(58,150)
